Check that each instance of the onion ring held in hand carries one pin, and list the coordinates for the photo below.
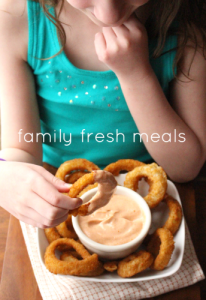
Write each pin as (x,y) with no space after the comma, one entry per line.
(89,187)
(76,188)
(72,177)
(65,229)
(89,263)
(75,164)
(161,247)
(134,263)
(175,215)
(80,184)
(106,186)
(123,165)
(155,177)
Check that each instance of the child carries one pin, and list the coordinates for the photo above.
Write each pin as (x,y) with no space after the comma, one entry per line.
(85,69)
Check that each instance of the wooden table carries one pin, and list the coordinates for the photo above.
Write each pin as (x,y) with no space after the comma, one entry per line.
(18,281)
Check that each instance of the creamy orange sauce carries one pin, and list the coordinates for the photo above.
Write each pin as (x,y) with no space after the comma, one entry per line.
(118,222)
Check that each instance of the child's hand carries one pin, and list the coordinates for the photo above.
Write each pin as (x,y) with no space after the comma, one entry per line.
(124,49)
(33,195)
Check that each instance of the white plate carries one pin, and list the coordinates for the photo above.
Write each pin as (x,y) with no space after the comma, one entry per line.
(159,216)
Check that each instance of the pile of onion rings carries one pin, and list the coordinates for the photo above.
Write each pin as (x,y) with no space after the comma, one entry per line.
(84,267)
(75,259)
(63,230)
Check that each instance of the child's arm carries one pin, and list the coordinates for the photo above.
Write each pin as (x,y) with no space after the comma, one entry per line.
(27,191)
(125,51)
(17,90)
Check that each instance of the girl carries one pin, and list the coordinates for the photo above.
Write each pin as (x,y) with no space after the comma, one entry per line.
(90,73)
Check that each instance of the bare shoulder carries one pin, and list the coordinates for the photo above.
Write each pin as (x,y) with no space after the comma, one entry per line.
(14,26)
(13,7)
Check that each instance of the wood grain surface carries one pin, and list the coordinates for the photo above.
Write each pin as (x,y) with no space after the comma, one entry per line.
(18,281)
(4,224)
(200,196)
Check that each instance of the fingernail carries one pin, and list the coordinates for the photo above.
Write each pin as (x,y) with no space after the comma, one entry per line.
(79,201)
(67,185)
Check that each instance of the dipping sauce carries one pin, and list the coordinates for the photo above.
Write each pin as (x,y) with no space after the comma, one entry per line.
(106,188)
(118,222)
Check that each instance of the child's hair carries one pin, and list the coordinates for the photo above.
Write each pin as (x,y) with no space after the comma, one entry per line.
(190,16)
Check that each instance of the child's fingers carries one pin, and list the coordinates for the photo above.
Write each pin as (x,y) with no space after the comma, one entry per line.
(121,31)
(100,43)
(132,23)
(58,183)
(48,192)
(110,37)
(30,221)
(39,219)
(46,209)
(122,34)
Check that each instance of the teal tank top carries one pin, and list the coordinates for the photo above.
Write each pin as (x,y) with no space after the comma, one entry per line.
(74,102)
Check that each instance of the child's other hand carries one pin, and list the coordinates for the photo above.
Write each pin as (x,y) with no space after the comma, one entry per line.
(33,195)
(124,49)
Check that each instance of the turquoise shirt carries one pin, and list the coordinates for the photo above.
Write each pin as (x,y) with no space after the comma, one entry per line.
(74,102)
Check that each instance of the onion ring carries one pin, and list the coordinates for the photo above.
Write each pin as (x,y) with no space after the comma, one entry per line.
(76,188)
(82,267)
(65,229)
(123,165)
(106,187)
(161,246)
(134,263)
(175,215)
(111,266)
(73,257)
(75,164)
(53,235)
(89,187)
(69,254)
(155,177)
(80,184)
(71,178)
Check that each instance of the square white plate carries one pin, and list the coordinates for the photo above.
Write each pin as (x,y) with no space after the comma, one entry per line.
(159,216)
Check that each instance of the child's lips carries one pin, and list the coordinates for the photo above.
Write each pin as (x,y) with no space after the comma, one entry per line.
(118,23)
